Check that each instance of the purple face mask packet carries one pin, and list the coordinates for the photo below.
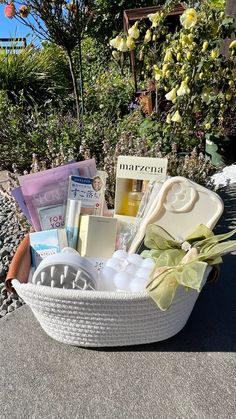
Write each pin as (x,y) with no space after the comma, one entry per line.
(18,196)
(49,188)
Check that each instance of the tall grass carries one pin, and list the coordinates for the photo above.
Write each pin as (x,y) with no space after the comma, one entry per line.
(35,74)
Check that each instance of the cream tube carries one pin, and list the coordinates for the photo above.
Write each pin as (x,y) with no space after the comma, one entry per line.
(72,222)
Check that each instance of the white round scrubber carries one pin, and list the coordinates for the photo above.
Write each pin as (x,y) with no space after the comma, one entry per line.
(66,269)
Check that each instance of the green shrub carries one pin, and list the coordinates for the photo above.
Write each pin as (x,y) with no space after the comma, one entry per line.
(37,75)
(53,135)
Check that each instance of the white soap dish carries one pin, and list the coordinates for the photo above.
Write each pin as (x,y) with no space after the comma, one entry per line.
(66,269)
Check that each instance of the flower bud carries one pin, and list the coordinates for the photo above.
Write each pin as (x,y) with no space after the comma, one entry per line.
(10,11)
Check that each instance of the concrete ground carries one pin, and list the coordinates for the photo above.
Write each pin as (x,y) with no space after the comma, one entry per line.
(191,375)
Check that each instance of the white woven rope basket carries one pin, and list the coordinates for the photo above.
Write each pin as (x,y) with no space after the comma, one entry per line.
(103,319)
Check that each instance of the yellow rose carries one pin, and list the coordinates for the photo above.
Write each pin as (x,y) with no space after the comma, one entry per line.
(134,31)
(189,55)
(157,72)
(178,56)
(183,89)
(232,45)
(228,96)
(214,54)
(115,55)
(130,43)
(176,117)
(190,38)
(208,125)
(122,45)
(168,119)
(148,36)
(205,46)
(184,40)
(189,18)
(168,58)
(154,18)
(171,95)
(116,41)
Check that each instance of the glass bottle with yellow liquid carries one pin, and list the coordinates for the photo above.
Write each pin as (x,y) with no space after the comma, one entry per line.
(134,198)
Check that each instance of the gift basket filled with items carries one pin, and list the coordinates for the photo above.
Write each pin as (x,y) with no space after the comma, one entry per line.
(98,278)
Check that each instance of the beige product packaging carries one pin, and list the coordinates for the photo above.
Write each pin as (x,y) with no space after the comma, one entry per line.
(97,236)
(129,193)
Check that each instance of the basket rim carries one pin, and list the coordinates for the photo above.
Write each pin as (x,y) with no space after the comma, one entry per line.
(73,294)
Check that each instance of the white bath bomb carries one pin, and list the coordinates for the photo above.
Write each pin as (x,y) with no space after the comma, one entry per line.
(135,259)
(131,269)
(120,254)
(115,264)
(143,273)
(122,281)
(138,284)
(106,279)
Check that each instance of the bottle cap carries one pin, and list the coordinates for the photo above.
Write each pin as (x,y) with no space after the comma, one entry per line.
(137,185)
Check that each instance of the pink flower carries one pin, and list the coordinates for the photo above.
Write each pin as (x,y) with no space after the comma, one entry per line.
(10,11)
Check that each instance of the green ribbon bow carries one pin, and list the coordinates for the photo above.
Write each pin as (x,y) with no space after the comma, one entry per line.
(182,262)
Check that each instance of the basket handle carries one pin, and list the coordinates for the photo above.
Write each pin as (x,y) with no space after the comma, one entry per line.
(20,264)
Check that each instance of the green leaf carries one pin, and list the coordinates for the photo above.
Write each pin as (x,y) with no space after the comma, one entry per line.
(217,3)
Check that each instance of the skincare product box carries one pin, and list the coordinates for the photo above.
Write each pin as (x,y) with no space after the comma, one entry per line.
(97,237)
(132,177)
(46,243)
(52,216)
(89,191)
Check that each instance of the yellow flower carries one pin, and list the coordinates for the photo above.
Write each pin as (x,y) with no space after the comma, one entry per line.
(208,125)
(214,54)
(165,67)
(115,42)
(168,58)
(206,97)
(183,89)
(190,38)
(176,117)
(178,56)
(228,96)
(184,40)
(134,31)
(189,18)
(115,55)
(205,46)
(130,43)
(122,45)
(189,55)
(168,119)
(171,95)
(148,36)
(232,45)
(154,18)
(157,72)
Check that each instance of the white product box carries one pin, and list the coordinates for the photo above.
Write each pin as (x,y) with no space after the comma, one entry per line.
(130,168)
